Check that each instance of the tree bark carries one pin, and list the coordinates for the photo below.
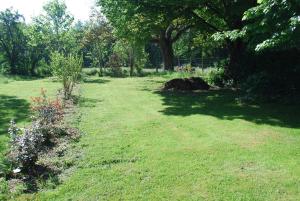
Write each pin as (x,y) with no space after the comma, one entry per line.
(166,46)
(236,51)
(237,48)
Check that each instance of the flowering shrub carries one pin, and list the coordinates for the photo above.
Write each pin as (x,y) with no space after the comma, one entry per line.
(186,68)
(13,131)
(27,145)
(46,111)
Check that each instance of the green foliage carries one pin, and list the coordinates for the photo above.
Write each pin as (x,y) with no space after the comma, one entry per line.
(67,69)
(4,189)
(26,47)
(216,77)
(142,21)
(273,24)
(129,53)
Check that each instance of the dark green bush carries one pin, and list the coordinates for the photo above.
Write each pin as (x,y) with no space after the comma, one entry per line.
(91,72)
(267,87)
(115,71)
(217,77)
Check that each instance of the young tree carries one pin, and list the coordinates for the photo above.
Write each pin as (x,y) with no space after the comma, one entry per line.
(98,40)
(132,54)
(67,69)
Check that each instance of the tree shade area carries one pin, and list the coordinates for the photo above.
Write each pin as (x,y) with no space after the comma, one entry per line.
(151,100)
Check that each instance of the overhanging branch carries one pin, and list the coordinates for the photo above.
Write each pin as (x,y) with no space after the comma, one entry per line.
(203,21)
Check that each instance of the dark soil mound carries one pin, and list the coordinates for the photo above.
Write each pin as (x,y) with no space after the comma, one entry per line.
(186,84)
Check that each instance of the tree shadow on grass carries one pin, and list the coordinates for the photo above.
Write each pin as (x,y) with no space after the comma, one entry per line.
(223,104)
(95,81)
(12,108)
(88,102)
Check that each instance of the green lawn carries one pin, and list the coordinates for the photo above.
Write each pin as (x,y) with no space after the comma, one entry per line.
(142,144)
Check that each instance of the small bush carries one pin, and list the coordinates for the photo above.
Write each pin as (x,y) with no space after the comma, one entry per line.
(115,71)
(217,77)
(28,143)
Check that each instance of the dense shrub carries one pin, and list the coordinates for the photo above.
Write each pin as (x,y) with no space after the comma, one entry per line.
(266,87)
(27,143)
(4,189)
(43,69)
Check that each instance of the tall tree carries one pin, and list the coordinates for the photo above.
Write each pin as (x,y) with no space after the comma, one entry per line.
(56,24)
(142,21)
(215,16)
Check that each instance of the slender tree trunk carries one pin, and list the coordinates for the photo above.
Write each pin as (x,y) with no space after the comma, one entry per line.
(33,66)
(166,47)
(131,62)
(131,68)
(13,67)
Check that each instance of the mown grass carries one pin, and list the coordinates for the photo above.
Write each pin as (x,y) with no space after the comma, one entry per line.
(144,144)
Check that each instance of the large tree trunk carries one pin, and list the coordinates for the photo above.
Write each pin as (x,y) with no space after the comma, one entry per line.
(166,46)
(236,51)
(237,48)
